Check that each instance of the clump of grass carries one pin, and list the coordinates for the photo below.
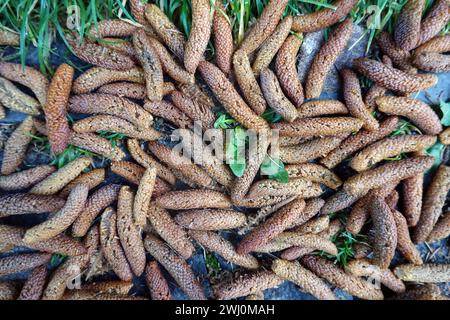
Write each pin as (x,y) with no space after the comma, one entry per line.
(114,137)
(344,241)
(212,264)
(405,127)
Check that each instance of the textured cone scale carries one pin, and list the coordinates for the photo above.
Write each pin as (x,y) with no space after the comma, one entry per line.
(195,148)
(100,56)
(271,46)
(310,150)
(441,229)
(264,26)
(89,141)
(111,105)
(288,239)
(417,111)
(55,110)
(326,57)
(316,108)
(96,202)
(28,77)
(286,70)
(393,79)
(412,194)
(71,268)
(337,277)
(166,30)
(385,231)
(59,179)
(16,146)
(22,262)
(176,266)
(305,279)
(134,172)
(295,187)
(25,203)
(112,28)
(437,44)
(112,249)
(390,147)
(400,57)
(296,252)
(323,18)
(169,65)
(275,97)
(62,219)
(404,242)
(183,164)
(434,21)
(359,214)
(389,172)
(13,98)
(375,90)
(315,173)
(26,178)
(247,284)
(223,38)
(169,112)
(358,141)
(143,196)
(114,124)
(247,82)
(432,62)
(197,93)
(60,244)
(407,28)
(339,201)
(211,219)
(444,137)
(230,98)
(120,45)
(8,38)
(96,77)
(280,221)
(156,283)
(354,102)
(199,34)
(124,89)
(313,127)
(128,232)
(91,179)
(195,111)
(426,273)
(193,199)
(214,242)
(363,268)
(147,56)
(433,203)
(314,225)
(34,286)
(147,161)
(170,231)
(110,286)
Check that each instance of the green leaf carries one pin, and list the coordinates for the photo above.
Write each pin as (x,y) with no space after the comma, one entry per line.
(224,121)
(436,152)
(445,108)
(235,151)
(271,116)
(274,169)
